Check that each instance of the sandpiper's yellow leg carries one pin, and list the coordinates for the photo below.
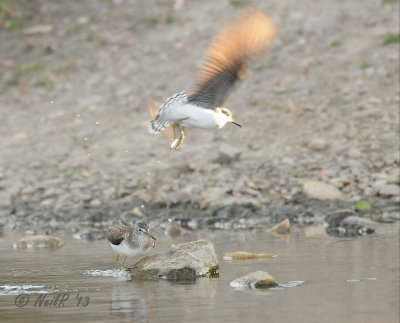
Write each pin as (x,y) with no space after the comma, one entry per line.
(119,263)
(175,141)
(181,139)
(123,263)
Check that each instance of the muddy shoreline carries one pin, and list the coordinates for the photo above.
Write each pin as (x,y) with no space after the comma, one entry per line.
(92,222)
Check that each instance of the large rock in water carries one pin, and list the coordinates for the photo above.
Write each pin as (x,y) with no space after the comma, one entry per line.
(185,261)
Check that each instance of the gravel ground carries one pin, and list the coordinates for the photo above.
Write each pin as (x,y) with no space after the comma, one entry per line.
(321,105)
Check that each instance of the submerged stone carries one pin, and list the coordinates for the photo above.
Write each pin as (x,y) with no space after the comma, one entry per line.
(257,279)
(244,255)
(185,261)
(39,241)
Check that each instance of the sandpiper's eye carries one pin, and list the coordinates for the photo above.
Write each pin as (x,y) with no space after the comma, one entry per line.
(140,230)
(226,112)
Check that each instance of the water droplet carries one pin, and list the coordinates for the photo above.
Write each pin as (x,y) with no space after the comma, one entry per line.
(126,150)
(85,138)
(158,161)
(78,115)
(370,278)
(89,155)
(142,206)
(51,101)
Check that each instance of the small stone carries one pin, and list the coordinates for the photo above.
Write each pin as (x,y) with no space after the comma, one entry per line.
(227,154)
(89,235)
(174,231)
(340,182)
(281,228)
(389,190)
(185,261)
(95,203)
(321,191)
(47,202)
(137,212)
(39,241)
(393,177)
(37,29)
(257,279)
(317,144)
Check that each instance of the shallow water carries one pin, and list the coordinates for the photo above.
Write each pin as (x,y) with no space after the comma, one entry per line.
(323,279)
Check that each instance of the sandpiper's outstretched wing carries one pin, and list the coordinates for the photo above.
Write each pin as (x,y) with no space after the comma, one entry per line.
(247,35)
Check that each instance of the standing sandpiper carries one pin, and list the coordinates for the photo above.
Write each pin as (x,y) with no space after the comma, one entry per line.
(129,240)
(247,35)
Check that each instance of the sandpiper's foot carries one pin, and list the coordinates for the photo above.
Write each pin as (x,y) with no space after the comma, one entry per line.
(181,139)
(123,267)
(174,143)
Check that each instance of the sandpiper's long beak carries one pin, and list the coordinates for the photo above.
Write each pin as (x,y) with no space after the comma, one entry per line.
(150,235)
(234,122)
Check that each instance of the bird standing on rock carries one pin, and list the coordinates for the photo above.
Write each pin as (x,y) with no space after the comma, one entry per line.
(247,35)
(129,240)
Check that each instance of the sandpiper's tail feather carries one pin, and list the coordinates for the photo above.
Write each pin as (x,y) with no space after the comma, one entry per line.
(247,35)
(156,125)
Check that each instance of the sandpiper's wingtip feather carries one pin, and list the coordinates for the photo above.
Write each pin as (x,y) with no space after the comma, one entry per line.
(248,34)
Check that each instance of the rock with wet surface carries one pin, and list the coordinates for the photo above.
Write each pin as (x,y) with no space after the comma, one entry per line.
(346,223)
(185,261)
(39,241)
(257,279)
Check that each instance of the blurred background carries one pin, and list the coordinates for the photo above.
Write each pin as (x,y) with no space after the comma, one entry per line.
(322,105)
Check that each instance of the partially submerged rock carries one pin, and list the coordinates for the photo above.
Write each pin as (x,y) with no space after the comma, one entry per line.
(346,223)
(39,241)
(244,255)
(185,261)
(257,279)
(281,227)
